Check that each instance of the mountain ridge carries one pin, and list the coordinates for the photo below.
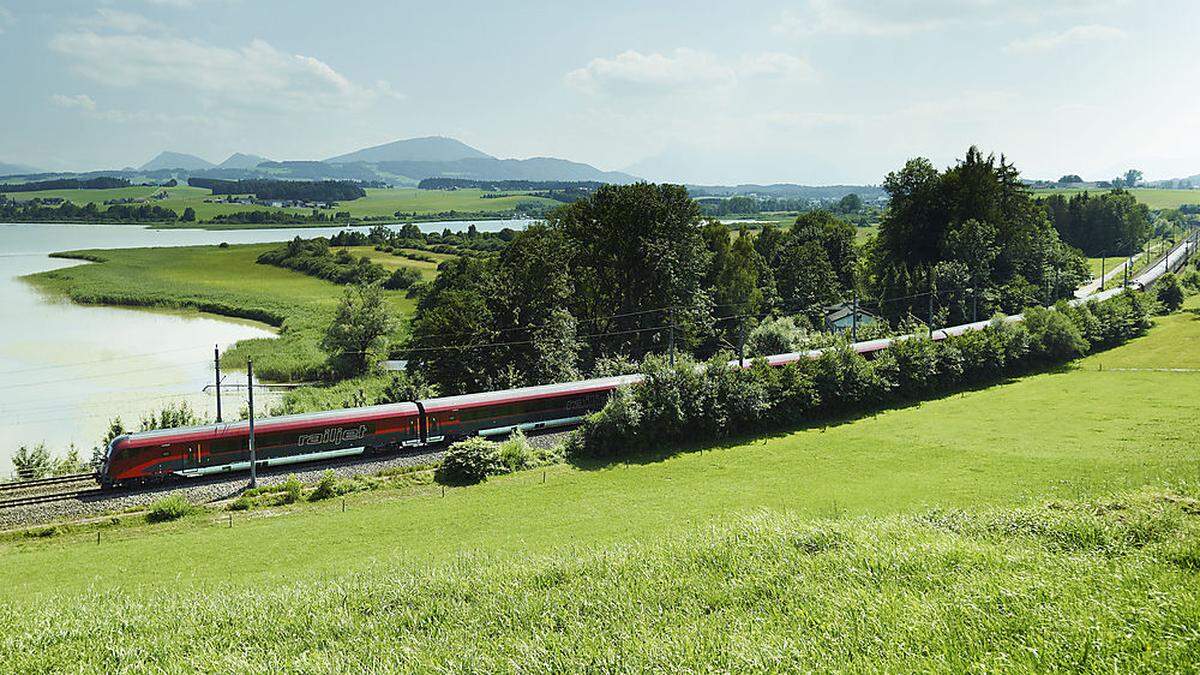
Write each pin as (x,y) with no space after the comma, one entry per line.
(421,149)
(168,159)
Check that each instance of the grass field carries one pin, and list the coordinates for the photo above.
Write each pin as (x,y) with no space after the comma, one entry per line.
(224,281)
(943,535)
(378,202)
(1153,197)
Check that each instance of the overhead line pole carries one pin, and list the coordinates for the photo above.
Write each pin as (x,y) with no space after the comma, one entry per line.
(217,366)
(250,389)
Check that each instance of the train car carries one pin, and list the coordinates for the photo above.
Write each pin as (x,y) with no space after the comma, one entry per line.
(499,413)
(154,456)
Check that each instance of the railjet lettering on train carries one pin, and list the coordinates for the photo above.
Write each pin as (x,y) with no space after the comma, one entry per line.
(335,435)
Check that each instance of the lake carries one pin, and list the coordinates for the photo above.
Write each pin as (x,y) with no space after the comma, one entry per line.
(67,369)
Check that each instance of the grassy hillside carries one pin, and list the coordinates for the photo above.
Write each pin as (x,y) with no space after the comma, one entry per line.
(835,547)
(378,202)
(224,281)
(1155,198)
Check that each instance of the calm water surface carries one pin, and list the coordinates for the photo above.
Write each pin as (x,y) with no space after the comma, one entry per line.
(67,369)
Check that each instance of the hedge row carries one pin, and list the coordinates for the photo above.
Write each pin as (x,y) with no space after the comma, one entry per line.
(689,403)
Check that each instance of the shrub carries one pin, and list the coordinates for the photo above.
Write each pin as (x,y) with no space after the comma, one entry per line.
(1054,334)
(468,462)
(292,490)
(170,508)
(402,279)
(32,463)
(777,336)
(327,487)
(515,453)
(1169,292)
(686,402)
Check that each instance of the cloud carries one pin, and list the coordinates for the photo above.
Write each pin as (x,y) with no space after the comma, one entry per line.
(80,101)
(682,70)
(255,76)
(6,19)
(905,17)
(1046,42)
(117,20)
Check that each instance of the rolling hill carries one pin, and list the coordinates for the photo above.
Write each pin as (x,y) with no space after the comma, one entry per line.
(242,161)
(428,149)
(176,160)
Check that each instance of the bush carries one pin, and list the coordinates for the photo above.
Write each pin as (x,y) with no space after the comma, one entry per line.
(1169,292)
(468,462)
(402,279)
(687,402)
(777,336)
(515,453)
(292,490)
(32,463)
(327,488)
(170,508)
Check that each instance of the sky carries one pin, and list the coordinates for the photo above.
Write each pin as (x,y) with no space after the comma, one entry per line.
(810,91)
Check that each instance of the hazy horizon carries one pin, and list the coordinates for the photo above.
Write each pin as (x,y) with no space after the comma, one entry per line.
(817,92)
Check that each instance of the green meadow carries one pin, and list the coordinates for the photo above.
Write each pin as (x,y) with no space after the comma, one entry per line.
(379,202)
(225,281)
(1049,522)
(1155,198)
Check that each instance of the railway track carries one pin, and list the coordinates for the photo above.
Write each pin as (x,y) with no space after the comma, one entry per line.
(16,486)
(48,498)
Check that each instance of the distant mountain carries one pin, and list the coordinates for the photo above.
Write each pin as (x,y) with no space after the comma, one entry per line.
(7,169)
(242,161)
(788,191)
(176,160)
(428,149)
(536,168)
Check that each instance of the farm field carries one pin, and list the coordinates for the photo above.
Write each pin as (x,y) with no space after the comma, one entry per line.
(1155,198)
(378,202)
(224,281)
(1038,524)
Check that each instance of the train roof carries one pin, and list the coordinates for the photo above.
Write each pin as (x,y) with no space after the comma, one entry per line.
(269,424)
(528,393)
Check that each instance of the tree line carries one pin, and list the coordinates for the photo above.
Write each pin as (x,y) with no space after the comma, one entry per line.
(35,210)
(1109,223)
(321,191)
(101,183)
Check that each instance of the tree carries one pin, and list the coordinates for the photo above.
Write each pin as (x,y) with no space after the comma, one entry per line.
(189,215)
(1169,292)
(32,463)
(1070,179)
(851,203)
(1133,177)
(806,280)
(836,236)
(357,338)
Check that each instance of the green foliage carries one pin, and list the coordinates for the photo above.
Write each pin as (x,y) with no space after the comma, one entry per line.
(189,215)
(403,278)
(468,462)
(1169,292)
(407,387)
(292,490)
(327,488)
(688,403)
(32,463)
(515,452)
(973,225)
(170,416)
(1110,223)
(779,335)
(170,508)
(357,337)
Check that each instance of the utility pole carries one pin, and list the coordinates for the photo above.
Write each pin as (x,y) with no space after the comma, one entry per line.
(854,325)
(931,310)
(742,344)
(217,365)
(250,390)
(671,333)
(974,305)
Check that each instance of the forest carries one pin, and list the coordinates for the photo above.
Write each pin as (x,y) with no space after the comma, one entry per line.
(637,270)
(321,190)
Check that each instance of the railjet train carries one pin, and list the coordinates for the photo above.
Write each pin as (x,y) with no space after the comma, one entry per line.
(166,454)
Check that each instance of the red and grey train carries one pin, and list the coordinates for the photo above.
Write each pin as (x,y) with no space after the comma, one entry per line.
(154,456)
